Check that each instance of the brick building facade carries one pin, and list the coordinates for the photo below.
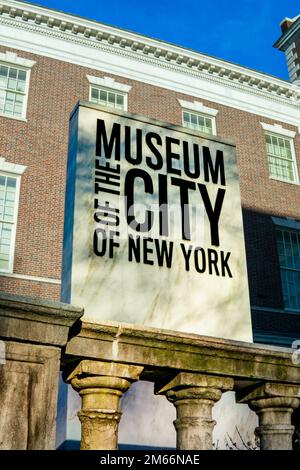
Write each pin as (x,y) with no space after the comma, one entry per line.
(50,60)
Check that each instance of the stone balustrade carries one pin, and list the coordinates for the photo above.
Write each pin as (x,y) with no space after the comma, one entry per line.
(201,369)
(102,361)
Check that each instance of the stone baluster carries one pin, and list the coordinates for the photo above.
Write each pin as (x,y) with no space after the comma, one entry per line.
(274,404)
(194,396)
(101,385)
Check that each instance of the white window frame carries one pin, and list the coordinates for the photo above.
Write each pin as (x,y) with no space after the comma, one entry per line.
(14,171)
(197,107)
(10,59)
(278,131)
(110,85)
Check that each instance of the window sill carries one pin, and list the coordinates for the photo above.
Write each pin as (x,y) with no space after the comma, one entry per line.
(296,183)
(5,272)
(15,118)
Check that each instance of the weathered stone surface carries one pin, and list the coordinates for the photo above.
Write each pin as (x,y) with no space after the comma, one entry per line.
(101,385)
(274,404)
(35,320)
(169,350)
(28,396)
(194,396)
(33,333)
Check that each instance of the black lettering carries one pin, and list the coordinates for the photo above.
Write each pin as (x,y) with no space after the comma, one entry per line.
(187,255)
(100,189)
(159,159)
(147,251)
(163,205)
(97,251)
(186,161)
(213,214)
(102,141)
(203,260)
(213,261)
(224,264)
(184,203)
(210,169)
(163,253)
(112,243)
(129,199)
(170,156)
(128,142)
(102,217)
(107,178)
(134,248)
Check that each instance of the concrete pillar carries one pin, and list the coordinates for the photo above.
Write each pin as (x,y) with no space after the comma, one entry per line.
(274,404)
(194,396)
(33,333)
(101,385)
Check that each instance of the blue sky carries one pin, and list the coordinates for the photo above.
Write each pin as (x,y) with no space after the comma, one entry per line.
(241,31)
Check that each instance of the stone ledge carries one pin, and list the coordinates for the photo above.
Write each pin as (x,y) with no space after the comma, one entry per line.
(37,321)
(171,351)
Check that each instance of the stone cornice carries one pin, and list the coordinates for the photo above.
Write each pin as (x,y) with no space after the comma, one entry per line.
(113,40)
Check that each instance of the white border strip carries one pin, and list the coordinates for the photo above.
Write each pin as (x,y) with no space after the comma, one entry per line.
(278,129)
(198,107)
(46,280)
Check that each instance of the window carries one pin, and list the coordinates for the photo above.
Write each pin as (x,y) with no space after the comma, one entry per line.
(281,157)
(12,90)
(198,122)
(198,117)
(280,152)
(9,199)
(288,242)
(14,82)
(8,191)
(107,98)
(107,92)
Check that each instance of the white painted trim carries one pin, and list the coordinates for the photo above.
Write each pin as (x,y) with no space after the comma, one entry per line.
(108,82)
(94,34)
(16,118)
(126,54)
(13,168)
(286,181)
(13,224)
(125,96)
(212,118)
(198,107)
(47,280)
(278,129)
(13,59)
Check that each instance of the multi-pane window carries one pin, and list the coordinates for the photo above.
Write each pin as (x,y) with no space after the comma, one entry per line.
(12,90)
(281,157)
(107,98)
(8,202)
(198,122)
(289,259)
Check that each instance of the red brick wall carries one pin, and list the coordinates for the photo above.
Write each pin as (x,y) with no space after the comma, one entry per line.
(42,144)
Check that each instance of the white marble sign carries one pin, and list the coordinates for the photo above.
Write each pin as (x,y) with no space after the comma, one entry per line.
(153,226)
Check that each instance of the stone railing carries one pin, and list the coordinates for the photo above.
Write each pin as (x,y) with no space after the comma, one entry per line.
(102,361)
(112,356)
